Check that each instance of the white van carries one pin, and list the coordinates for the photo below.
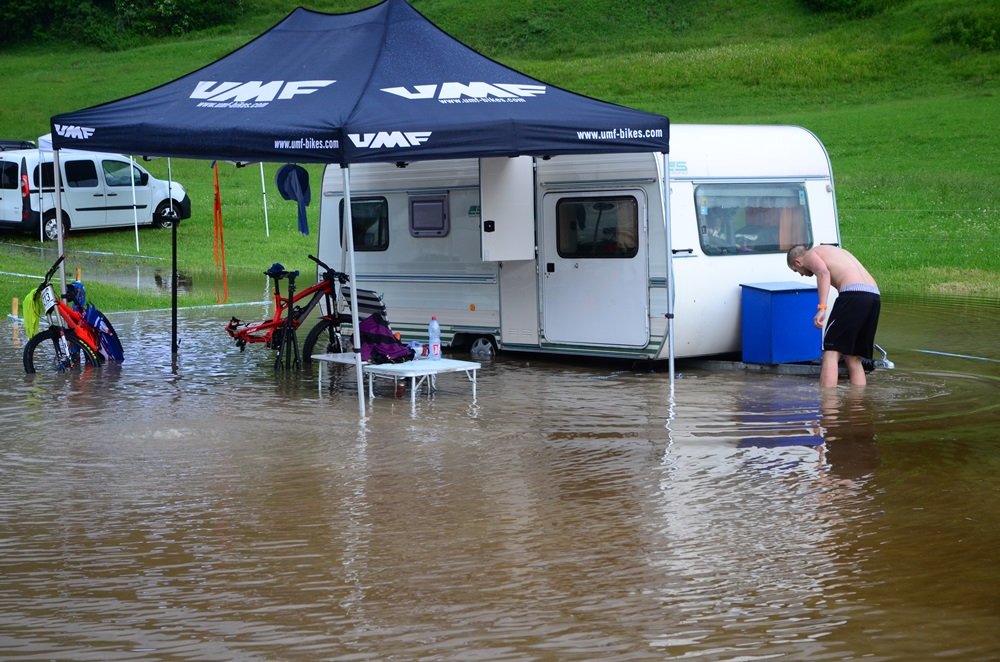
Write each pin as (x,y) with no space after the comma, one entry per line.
(97,192)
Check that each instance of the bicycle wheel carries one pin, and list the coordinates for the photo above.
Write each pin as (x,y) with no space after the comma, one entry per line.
(45,352)
(324,338)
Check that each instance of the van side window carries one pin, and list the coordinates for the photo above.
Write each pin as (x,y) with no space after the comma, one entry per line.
(605,227)
(741,219)
(81,174)
(48,176)
(8,174)
(116,173)
(370,220)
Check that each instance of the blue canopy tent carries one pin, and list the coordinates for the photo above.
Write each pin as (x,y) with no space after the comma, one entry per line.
(382,84)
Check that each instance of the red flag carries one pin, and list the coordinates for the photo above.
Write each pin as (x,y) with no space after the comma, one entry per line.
(219,246)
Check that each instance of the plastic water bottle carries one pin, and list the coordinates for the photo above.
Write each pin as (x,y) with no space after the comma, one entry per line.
(434,338)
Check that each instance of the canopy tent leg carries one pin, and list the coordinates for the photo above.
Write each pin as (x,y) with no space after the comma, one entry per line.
(57,184)
(174,344)
(263,192)
(135,208)
(347,242)
(663,168)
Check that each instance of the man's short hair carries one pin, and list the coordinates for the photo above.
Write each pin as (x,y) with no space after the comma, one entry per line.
(795,252)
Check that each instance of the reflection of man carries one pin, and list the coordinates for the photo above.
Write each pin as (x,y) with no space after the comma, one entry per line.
(851,330)
(849,423)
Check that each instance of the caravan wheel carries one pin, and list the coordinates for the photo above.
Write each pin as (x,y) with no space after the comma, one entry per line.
(483,348)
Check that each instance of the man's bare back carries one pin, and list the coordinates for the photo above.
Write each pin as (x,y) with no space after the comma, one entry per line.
(843,268)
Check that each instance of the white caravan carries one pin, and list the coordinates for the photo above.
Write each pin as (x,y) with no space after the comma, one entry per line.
(568,255)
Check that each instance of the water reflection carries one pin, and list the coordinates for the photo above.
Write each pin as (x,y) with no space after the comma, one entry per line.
(221,511)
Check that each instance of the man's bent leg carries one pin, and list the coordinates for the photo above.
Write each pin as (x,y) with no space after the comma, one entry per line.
(828,371)
(855,370)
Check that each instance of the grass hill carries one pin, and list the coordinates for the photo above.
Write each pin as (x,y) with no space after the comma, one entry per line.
(904,94)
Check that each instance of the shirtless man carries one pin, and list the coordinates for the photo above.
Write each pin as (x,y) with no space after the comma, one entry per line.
(854,318)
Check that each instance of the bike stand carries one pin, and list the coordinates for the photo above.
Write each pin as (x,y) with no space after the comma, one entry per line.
(288,350)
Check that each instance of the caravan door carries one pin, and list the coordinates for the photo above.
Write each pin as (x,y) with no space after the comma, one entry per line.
(595,272)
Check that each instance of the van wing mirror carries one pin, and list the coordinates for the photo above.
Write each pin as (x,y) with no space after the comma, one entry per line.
(144,179)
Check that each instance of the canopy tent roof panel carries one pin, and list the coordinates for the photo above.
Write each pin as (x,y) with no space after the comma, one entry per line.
(380,84)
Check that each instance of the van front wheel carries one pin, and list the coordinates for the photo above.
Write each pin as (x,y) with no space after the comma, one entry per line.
(166,215)
(51,228)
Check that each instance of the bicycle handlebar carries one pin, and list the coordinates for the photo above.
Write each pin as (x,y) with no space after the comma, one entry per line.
(332,274)
(52,270)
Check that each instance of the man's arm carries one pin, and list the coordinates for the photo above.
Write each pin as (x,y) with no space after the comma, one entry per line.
(814,263)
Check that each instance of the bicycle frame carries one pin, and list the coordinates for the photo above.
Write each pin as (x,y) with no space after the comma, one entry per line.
(56,311)
(269,331)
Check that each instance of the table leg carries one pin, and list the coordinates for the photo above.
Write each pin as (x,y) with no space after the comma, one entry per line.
(413,390)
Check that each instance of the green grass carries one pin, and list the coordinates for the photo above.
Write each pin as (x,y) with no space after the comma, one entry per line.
(905,101)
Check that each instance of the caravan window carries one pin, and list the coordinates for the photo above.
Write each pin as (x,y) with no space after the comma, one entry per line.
(740,219)
(429,215)
(370,218)
(606,227)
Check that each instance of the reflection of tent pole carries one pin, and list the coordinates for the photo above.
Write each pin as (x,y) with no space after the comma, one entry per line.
(135,207)
(263,192)
(348,242)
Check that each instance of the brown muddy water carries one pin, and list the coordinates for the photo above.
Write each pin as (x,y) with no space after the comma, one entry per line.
(573,511)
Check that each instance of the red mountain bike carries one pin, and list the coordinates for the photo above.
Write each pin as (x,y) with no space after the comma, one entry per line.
(290,311)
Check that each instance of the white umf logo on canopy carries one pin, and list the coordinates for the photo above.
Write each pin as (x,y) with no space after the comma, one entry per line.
(385,139)
(72,131)
(252,94)
(469,92)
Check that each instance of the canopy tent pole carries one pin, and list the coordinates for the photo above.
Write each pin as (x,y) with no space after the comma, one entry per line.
(41,178)
(57,183)
(135,207)
(348,242)
(173,269)
(263,192)
(663,167)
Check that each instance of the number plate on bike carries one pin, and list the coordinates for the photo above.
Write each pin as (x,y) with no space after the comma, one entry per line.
(48,299)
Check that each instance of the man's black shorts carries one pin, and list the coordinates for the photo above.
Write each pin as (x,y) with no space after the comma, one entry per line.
(853,320)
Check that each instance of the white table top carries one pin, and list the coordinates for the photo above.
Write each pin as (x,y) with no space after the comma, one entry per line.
(414,368)
(420,367)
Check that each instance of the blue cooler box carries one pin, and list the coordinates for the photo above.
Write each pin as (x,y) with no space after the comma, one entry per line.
(778,323)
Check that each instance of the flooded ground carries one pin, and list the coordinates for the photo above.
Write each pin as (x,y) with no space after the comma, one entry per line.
(571,511)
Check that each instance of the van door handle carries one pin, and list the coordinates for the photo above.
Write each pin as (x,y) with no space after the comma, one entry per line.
(112,195)
(675,251)
(98,195)
(550,267)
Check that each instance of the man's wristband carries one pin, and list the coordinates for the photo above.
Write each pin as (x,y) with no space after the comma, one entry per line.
(821,306)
